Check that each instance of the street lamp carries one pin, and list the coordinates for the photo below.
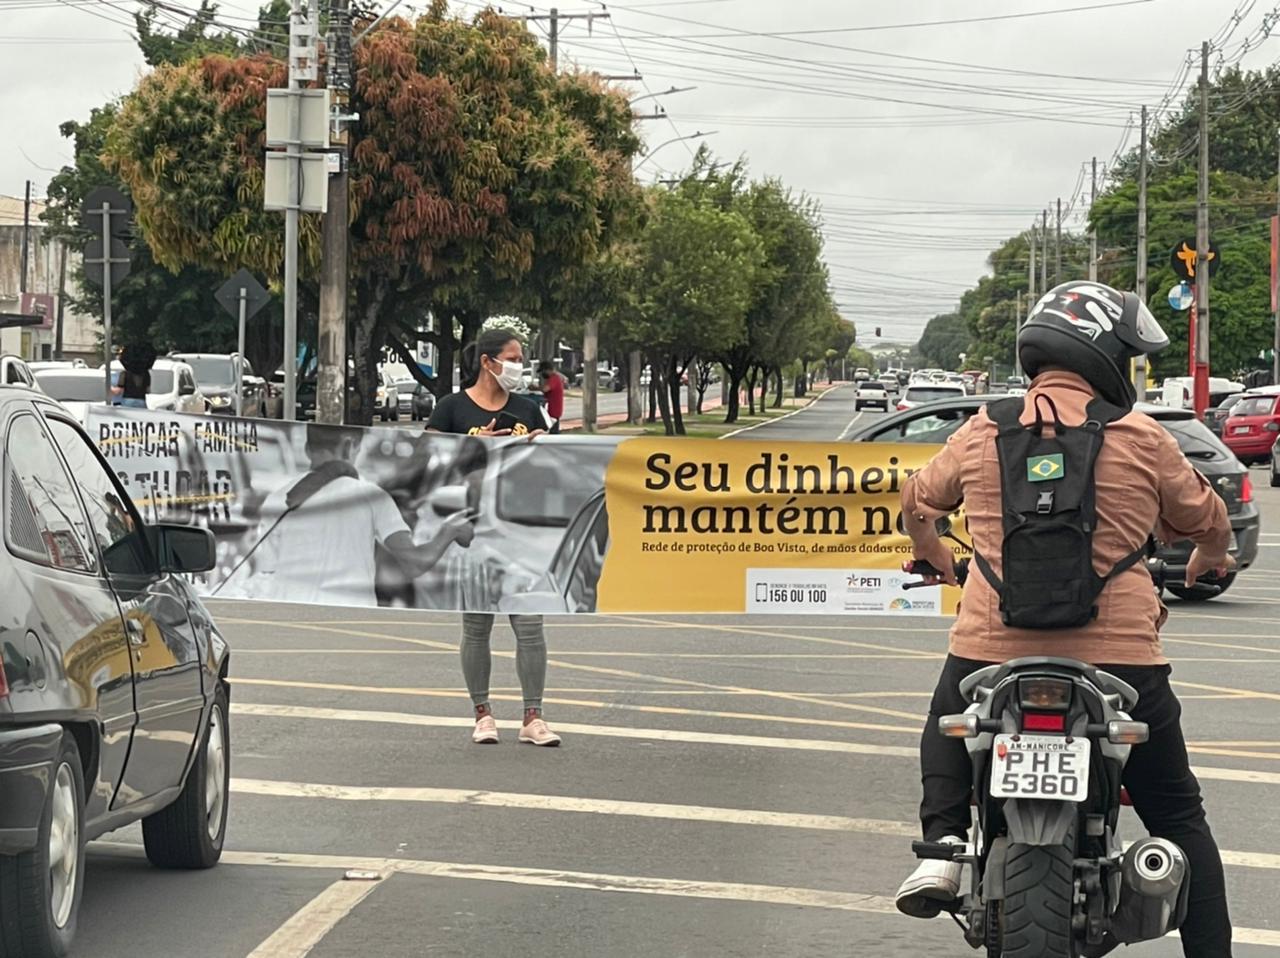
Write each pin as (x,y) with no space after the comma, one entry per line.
(674,89)
(674,139)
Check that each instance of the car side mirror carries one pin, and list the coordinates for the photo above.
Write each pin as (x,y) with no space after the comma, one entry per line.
(183,549)
(448,500)
(187,389)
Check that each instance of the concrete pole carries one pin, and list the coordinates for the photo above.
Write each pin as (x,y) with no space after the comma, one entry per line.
(331,374)
(1140,364)
(1202,244)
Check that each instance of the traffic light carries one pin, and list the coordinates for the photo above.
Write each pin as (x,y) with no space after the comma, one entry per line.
(877,332)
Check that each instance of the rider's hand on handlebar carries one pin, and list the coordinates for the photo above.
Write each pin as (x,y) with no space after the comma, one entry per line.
(940,556)
(1200,565)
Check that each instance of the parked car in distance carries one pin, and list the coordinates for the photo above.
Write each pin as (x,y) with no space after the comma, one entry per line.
(416,401)
(935,421)
(76,388)
(173,387)
(871,392)
(113,683)
(861,374)
(1251,428)
(14,371)
(216,374)
(386,399)
(918,393)
(891,384)
(1215,417)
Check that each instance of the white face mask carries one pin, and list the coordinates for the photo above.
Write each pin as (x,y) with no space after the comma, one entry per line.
(511,377)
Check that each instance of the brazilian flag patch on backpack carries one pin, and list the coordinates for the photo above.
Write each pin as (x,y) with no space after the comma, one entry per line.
(1045,468)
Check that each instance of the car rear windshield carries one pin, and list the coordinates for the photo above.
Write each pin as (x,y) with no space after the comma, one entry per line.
(1196,441)
(546,485)
(66,388)
(212,370)
(930,393)
(1256,406)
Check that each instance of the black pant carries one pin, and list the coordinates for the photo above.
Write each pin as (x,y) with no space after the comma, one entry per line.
(1158,776)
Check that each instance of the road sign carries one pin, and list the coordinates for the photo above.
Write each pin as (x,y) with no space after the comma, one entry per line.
(111,204)
(1183,260)
(1181,297)
(241,296)
(255,297)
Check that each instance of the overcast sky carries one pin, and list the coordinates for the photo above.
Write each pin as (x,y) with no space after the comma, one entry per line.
(921,166)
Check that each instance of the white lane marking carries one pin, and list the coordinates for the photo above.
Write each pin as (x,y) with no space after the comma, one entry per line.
(795,412)
(559,878)
(569,728)
(598,882)
(1244,776)
(307,926)
(569,803)
(560,653)
(844,433)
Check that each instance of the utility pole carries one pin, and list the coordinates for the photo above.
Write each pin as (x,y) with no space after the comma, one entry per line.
(331,374)
(299,28)
(1140,364)
(1031,270)
(26,239)
(62,295)
(1017,326)
(1202,245)
(1093,232)
(1057,247)
(1044,252)
(591,328)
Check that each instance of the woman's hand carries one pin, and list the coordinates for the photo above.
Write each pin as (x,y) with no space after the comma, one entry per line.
(490,431)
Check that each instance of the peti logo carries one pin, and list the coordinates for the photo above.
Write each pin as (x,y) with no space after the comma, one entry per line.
(861,582)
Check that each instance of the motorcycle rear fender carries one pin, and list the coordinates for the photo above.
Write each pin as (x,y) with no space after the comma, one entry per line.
(993,873)
(1038,822)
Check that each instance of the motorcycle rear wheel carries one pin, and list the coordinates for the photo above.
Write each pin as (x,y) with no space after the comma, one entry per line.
(1039,886)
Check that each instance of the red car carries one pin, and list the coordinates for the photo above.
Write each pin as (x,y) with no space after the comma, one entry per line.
(1253,426)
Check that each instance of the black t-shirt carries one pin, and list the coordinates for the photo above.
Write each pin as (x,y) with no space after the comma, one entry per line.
(458,413)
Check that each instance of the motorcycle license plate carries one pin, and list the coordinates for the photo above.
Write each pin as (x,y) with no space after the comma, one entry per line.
(1040,766)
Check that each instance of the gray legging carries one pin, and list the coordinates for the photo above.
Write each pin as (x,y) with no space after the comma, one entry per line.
(531,656)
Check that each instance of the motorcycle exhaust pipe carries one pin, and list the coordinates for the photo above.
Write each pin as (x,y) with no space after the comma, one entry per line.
(1154,867)
(1153,896)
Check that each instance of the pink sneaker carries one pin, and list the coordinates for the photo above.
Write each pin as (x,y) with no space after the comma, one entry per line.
(536,732)
(486,731)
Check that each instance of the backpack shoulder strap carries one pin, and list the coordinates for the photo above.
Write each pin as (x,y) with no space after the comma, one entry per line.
(1006,413)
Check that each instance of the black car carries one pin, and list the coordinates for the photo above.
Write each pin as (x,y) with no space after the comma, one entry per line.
(934,422)
(113,679)
(1215,417)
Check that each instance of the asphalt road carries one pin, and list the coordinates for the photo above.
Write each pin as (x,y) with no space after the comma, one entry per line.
(727,786)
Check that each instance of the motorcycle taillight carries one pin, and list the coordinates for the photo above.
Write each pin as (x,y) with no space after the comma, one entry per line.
(1038,722)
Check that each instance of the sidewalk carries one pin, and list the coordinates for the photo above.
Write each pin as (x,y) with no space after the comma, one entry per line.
(790,404)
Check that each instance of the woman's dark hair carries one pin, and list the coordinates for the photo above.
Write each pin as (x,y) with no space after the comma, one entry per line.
(489,343)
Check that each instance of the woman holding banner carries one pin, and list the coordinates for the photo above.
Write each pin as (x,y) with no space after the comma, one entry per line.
(487,406)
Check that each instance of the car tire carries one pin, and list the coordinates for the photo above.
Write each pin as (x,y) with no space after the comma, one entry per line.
(190,832)
(38,908)
(1202,593)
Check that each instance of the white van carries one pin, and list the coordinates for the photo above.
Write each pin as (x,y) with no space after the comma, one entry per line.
(1177,391)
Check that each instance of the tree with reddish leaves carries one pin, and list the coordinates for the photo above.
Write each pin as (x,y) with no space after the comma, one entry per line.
(481,181)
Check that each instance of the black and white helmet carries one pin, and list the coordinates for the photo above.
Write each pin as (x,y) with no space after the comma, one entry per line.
(1092,330)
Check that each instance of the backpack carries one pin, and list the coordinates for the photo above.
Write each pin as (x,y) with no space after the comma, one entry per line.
(1047,501)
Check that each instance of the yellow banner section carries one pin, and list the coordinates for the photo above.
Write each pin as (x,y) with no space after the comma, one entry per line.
(711,526)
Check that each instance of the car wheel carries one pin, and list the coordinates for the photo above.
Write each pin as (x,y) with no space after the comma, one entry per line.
(1202,593)
(40,890)
(190,832)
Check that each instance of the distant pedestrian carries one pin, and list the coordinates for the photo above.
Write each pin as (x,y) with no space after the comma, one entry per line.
(487,406)
(132,382)
(553,391)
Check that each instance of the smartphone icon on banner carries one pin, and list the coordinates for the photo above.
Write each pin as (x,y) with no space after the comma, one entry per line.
(762,592)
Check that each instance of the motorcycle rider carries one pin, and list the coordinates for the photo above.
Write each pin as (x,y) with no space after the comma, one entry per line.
(1077,344)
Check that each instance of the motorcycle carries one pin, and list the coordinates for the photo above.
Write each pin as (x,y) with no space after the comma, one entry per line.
(1048,874)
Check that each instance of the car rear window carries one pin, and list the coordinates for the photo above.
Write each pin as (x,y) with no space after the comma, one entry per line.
(1196,441)
(70,387)
(1255,406)
(930,393)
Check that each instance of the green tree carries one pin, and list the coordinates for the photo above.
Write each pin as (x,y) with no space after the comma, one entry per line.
(944,338)
(691,281)
(475,180)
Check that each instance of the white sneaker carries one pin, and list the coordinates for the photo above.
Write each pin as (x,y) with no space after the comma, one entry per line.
(486,731)
(934,884)
(536,732)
